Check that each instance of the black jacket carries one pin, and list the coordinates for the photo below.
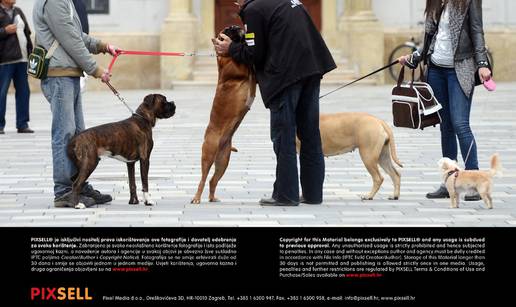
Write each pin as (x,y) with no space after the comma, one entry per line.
(80,8)
(282,43)
(467,35)
(9,45)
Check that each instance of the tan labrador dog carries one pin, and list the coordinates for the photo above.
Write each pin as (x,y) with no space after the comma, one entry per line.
(344,132)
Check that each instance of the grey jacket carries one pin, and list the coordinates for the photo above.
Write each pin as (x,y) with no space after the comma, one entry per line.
(58,20)
(467,37)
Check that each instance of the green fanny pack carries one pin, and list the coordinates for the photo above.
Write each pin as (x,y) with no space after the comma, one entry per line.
(39,60)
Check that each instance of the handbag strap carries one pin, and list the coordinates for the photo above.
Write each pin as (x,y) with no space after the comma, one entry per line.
(401,77)
(422,77)
(54,45)
(52,49)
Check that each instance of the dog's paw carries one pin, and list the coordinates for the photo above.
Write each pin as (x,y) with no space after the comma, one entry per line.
(80,206)
(365,197)
(214,200)
(134,201)
(195,201)
(148,200)
(150,203)
(394,198)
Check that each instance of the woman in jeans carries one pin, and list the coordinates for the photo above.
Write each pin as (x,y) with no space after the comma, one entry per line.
(455,51)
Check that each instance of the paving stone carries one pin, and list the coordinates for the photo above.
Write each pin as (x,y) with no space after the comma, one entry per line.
(26,189)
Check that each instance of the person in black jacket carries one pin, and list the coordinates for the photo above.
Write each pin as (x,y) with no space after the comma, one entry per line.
(80,8)
(289,57)
(15,46)
(455,52)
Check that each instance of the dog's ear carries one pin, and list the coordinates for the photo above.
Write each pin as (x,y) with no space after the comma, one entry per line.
(149,99)
(443,164)
(146,109)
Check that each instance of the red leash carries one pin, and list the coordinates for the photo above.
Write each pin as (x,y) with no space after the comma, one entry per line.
(154,53)
(120,52)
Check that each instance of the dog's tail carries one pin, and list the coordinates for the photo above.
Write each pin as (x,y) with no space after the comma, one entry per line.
(496,165)
(233,149)
(392,144)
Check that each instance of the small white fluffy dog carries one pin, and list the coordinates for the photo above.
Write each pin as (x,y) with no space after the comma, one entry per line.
(458,181)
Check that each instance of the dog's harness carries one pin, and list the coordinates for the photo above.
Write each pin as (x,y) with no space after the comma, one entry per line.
(454,173)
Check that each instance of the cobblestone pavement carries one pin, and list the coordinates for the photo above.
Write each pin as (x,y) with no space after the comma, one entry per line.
(26,170)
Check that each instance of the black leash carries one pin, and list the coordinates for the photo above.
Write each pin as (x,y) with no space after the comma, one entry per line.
(361,78)
(117,94)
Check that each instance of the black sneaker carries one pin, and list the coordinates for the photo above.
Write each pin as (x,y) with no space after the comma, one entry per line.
(2,131)
(473,197)
(25,130)
(273,202)
(442,192)
(65,201)
(304,201)
(98,197)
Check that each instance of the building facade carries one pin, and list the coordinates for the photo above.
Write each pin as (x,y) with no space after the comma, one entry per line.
(360,34)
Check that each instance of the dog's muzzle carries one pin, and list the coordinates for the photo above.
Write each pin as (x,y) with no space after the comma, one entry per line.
(170,109)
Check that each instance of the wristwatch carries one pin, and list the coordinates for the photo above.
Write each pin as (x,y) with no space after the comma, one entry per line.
(483,64)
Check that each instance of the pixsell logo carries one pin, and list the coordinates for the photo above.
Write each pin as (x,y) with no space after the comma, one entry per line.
(60,294)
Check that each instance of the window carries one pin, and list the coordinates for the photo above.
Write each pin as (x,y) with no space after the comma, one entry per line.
(97,6)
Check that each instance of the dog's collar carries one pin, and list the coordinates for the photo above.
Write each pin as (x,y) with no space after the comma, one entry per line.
(141,116)
(454,172)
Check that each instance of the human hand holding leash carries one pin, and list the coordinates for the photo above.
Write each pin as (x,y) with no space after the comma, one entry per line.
(221,44)
(403,59)
(106,76)
(108,48)
(102,74)
(113,50)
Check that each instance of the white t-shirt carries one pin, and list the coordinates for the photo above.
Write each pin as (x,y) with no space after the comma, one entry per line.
(22,39)
(443,53)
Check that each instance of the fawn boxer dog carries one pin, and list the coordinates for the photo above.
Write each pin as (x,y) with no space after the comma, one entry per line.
(236,89)
(345,132)
(129,140)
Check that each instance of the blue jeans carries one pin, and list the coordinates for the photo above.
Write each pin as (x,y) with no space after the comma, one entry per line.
(455,116)
(18,73)
(296,111)
(64,96)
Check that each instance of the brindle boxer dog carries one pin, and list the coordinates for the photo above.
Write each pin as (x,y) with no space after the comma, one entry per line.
(234,96)
(128,141)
